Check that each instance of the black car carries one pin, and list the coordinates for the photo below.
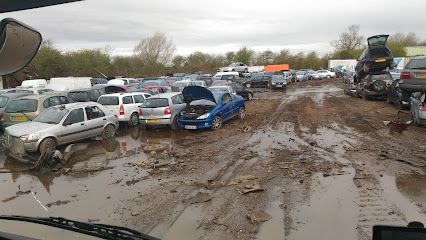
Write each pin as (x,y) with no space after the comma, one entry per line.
(247,94)
(278,82)
(374,85)
(375,58)
(395,96)
(260,81)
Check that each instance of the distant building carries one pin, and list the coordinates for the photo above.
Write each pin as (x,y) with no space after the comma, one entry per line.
(415,51)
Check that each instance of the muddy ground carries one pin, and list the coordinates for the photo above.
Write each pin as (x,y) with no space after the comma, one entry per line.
(308,163)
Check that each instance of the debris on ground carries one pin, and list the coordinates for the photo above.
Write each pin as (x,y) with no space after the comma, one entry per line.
(86,169)
(133,181)
(241,179)
(57,203)
(200,197)
(161,163)
(154,148)
(258,216)
(17,194)
(142,163)
(135,213)
(246,129)
(250,187)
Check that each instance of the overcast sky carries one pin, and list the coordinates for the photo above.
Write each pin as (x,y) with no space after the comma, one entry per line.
(218,26)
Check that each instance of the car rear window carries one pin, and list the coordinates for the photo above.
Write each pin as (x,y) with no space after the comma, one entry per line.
(416,64)
(79,96)
(108,101)
(381,77)
(379,52)
(22,105)
(3,101)
(155,103)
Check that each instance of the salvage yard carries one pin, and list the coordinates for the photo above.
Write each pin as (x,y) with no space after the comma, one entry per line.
(303,160)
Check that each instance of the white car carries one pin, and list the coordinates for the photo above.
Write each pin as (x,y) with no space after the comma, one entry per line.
(124,105)
(326,74)
(235,67)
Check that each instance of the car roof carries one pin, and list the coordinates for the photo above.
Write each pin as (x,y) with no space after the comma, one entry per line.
(77,105)
(122,94)
(42,96)
(165,95)
(15,95)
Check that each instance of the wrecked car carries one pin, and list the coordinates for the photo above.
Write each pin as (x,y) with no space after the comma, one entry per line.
(374,85)
(395,96)
(206,109)
(418,108)
(413,77)
(59,125)
(375,58)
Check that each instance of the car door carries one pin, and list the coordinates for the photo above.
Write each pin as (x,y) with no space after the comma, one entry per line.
(177,104)
(74,127)
(96,120)
(129,106)
(226,106)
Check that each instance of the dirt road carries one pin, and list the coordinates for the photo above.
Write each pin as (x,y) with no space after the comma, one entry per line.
(306,163)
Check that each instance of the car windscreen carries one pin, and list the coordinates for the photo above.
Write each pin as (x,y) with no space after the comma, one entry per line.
(416,64)
(155,103)
(385,76)
(276,78)
(150,83)
(3,101)
(79,96)
(108,101)
(22,106)
(52,115)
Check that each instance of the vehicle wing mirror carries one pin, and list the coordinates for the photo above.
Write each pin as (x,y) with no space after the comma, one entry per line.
(19,44)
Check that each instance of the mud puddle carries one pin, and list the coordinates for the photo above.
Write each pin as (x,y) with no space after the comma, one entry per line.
(403,192)
(95,181)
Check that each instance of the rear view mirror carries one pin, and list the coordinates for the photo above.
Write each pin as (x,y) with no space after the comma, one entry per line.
(19,44)
(414,230)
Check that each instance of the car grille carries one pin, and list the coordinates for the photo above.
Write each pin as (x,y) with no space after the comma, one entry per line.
(15,145)
(190,116)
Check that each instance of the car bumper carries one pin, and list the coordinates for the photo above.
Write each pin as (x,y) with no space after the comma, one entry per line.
(282,86)
(412,87)
(194,124)
(155,121)
(371,93)
(17,147)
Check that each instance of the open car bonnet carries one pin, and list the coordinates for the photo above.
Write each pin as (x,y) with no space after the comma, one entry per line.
(192,93)
(378,40)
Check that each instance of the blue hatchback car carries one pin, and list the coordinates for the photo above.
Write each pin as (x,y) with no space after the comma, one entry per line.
(207,109)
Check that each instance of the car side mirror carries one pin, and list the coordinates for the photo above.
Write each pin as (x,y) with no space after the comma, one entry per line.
(19,44)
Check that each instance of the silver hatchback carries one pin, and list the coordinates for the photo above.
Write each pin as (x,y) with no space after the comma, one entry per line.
(57,126)
(161,109)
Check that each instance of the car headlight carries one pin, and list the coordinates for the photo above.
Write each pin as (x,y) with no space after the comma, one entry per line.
(274,83)
(204,116)
(29,137)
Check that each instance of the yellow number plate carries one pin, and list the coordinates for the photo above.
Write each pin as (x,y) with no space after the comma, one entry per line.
(18,118)
(152,120)
(421,75)
(380,60)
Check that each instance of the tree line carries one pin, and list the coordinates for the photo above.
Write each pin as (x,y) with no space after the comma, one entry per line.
(155,56)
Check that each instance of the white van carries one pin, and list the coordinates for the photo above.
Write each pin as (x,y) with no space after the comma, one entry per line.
(69,83)
(34,83)
(219,75)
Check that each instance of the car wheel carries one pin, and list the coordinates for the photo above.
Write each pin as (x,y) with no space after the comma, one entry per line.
(242,113)
(250,96)
(217,122)
(134,120)
(328,76)
(108,132)
(47,149)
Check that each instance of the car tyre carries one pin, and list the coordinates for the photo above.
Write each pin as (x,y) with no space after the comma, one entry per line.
(108,132)
(242,113)
(47,149)
(217,122)
(328,76)
(134,120)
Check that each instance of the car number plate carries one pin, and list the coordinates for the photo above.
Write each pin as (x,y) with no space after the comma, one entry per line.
(18,118)
(421,75)
(152,120)
(190,127)
(279,85)
(380,60)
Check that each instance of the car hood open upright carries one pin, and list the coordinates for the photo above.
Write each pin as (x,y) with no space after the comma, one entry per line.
(378,40)
(192,93)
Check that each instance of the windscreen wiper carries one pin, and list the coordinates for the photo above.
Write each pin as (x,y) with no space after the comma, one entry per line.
(96,230)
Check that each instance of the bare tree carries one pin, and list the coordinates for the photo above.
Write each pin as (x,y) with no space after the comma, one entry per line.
(350,40)
(158,49)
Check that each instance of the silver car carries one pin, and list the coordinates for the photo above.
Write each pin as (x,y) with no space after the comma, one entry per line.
(418,108)
(161,109)
(59,125)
